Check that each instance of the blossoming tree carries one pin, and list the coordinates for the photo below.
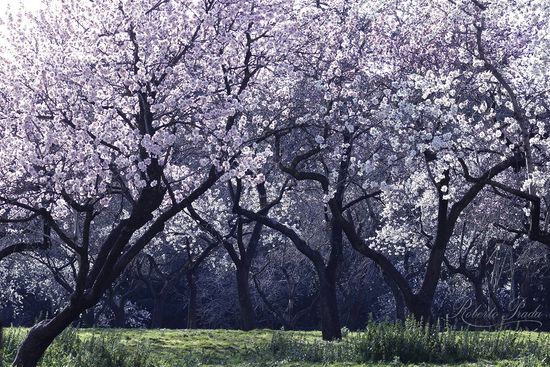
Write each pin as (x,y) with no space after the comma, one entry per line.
(124,112)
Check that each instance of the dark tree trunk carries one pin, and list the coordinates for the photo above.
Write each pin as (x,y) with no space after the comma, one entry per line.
(330,318)
(88,318)
(192,305)
(42,335)
(545,295)
(421,309)
(156,315)
(246,309)
(120,316)
(481,300)
(354,314)
(119,313)
(328,304)
(399,307)
(398,298)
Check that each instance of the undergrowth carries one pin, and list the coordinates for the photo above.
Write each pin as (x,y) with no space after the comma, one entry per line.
(413,342)
(69,350)
(380,344)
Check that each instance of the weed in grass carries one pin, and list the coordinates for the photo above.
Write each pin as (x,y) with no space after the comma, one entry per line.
(380,345)
(69,350)
(414,343)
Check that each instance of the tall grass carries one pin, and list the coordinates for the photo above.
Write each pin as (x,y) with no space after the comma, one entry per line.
(391,343)
(68,350)
(412,342)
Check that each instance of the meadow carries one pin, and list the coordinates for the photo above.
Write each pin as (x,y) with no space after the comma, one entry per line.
(379,345)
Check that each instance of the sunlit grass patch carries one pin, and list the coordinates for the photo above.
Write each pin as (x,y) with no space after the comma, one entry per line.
(380,345)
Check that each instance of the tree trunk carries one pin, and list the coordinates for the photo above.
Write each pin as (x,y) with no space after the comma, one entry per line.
(192,305)
(120,316)
(119,313)
(421,309)
(354,314)
(545,296)
(330,320)
(399,307)
(398,298)
(88,318)
(481,300)
(42,335)
(247,314)
(156,315)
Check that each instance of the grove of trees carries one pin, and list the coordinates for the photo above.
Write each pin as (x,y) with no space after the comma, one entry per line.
(272,163)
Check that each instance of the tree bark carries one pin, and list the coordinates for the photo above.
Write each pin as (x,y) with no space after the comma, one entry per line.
(421,309)
(246,309)
(118,309)
(156,315)
(328,304)
(120,316)
(354,313)
(481,300)
(398,298)
(88,318)
(42,335)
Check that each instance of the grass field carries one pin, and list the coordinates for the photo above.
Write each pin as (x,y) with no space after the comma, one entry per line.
(208,348)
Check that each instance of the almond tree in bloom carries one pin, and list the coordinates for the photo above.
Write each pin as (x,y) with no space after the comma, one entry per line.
(241,238)
(423,110)
(399,128)
(124,112)
(457,129)
(328,93)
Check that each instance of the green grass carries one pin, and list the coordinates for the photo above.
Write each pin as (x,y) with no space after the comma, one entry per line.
(266,348)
